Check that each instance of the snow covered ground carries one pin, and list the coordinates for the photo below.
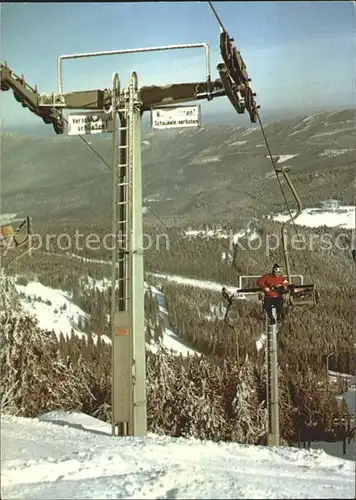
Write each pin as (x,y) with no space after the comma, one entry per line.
(54,309)
(331,214)
(343,216)
(173,342)
(282,158)
(219,233)
(331,153)
(47,460)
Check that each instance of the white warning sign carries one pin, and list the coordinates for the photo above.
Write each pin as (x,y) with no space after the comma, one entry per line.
(175,117)
(89,123)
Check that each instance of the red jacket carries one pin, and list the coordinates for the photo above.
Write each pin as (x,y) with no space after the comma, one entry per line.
(270,280)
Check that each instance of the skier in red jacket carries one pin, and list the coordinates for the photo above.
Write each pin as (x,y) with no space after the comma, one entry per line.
(273,297)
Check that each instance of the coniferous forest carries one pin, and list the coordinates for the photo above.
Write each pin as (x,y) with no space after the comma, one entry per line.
(218,393)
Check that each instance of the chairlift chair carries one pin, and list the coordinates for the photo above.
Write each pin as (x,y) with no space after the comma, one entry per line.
(10,238)
(6,238)
(295,294)
(305,295)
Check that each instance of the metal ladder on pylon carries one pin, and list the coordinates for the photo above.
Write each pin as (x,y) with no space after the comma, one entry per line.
(124,196)
(129,408)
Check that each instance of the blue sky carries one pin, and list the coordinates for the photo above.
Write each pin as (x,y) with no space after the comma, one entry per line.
(300,55)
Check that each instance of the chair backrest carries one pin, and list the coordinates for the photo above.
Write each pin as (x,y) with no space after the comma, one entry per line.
(248,281)
(306,297)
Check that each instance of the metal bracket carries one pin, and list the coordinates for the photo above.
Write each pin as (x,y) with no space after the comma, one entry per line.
(235,78)
(53,100)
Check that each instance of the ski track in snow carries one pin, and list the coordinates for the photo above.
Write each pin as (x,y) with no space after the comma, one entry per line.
(47,460)
(192,282)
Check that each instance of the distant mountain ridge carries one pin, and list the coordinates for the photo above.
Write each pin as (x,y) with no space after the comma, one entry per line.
(202,173)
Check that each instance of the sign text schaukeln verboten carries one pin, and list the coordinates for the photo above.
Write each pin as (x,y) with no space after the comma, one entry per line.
(175,117)
(89,123)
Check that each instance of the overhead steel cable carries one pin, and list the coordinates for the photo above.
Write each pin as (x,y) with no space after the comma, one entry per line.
(283,193)
(217,16)
(270,157)
(110,168)
(148,208)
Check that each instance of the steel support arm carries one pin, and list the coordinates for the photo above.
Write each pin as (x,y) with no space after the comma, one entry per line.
(179,92)
(150,96)
(29,97)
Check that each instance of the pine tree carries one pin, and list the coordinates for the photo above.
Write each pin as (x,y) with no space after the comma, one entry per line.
(250,417)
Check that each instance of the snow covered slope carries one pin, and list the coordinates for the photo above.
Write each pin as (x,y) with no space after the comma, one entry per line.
(56,311)
(47,460)
(316,217)
(53,308)
(331,214)
(172,342)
